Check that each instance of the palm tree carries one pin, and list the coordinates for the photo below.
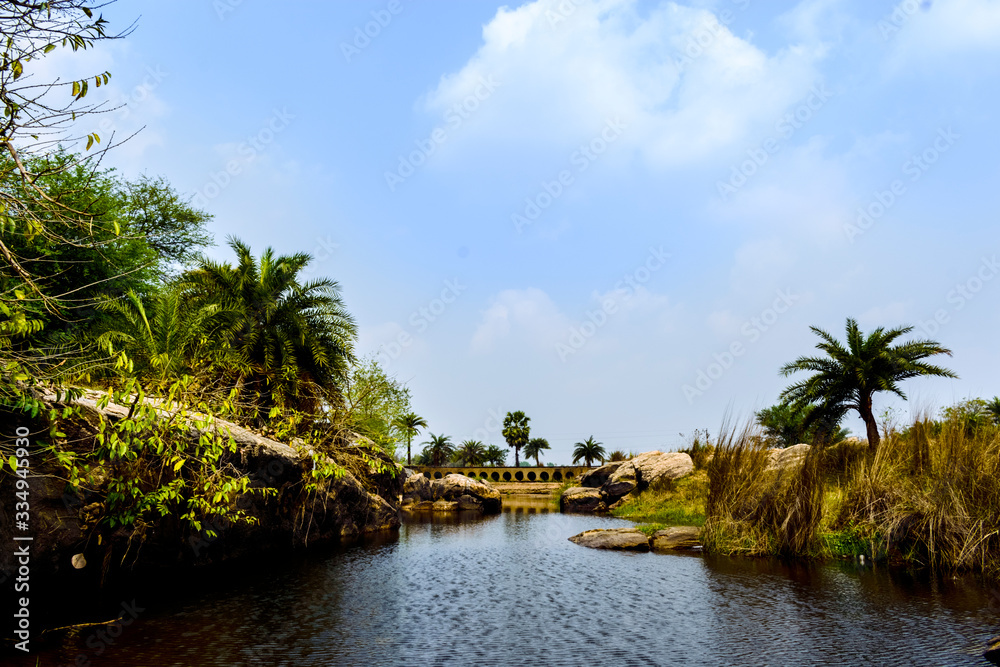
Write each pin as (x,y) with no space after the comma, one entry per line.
(515,432)
(848,377)
(993,407)
(534,449)
(470,453)
(496,456)
(588,450)
(439,449)
(410,424)
(296,338)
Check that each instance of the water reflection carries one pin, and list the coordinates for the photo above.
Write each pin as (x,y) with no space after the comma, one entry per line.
(510,589)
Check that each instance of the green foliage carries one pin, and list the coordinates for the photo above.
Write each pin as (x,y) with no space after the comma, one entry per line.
(588,450)
(409,425)
(786,425)
(848,376)
(469,453)
(516,432)
(294,340)
(534,449)
(495,456)
(682,503)
(439,449)
(377,405)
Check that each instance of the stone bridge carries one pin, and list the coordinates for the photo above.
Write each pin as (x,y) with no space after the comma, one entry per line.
(523,474)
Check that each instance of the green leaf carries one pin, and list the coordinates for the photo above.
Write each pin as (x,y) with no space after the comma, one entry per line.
(90,142)
(49,48)
(12,461)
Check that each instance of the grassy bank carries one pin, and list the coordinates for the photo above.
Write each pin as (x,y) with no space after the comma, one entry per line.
(930,496)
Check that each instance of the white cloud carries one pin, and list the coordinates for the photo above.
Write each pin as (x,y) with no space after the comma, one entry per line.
(527,315)
(929,33)
(682,82)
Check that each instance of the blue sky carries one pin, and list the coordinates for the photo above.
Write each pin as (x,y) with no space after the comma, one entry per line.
(618,216)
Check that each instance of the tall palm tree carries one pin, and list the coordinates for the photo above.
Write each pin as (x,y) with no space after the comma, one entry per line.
(515,432)
(850,375)
(410,424)
(534,449)
(470,453)
(296,337)
(496,456)
(439,449)
(588,450)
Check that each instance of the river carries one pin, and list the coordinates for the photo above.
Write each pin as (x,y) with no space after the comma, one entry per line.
(512,590)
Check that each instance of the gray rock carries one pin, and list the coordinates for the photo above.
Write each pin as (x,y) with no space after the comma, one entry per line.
(779,459)
(580,499)
(621,539)
(654,468)
(444,506)
(455,486)
(598,476)
(676,538)
(467,502)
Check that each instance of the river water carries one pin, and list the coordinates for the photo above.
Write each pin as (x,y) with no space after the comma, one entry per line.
(512,590)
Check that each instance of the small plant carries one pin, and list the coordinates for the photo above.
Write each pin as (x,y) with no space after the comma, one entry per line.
(617,455)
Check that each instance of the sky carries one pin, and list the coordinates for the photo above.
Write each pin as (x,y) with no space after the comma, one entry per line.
(619,216)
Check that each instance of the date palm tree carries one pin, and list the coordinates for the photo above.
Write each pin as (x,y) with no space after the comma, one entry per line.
(496,456)
(534,449)
(439,449)
(297,338)
(993,407)
(470,453)
(588,450)
(410,424)
(851,374)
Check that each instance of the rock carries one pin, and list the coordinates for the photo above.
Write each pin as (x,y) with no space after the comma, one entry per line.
(622,539)
(580,499)
(467,502)
(676,538)
(598,476)
(654,468)
(455,486)
(78,561)
(418,487)
(993,652)
(444,506)
(621,501)
(421,506)
(788,456)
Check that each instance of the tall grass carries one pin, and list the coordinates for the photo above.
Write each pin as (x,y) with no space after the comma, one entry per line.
(755,511)
(931,496)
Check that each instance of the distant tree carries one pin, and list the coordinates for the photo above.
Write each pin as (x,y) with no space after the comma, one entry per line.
(849,376)
(496,456)
(534,449)
(410,424)
(994,409)
(376,402)
(470,453)
(439,449)
(617,455)
(516,432)
(588,450)
(786,425)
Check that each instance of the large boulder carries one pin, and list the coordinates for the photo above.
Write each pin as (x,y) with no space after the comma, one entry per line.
(676,538)
(465,492)
(596,478)
(645,470)
(581,499)
(621,539)
(780,459)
